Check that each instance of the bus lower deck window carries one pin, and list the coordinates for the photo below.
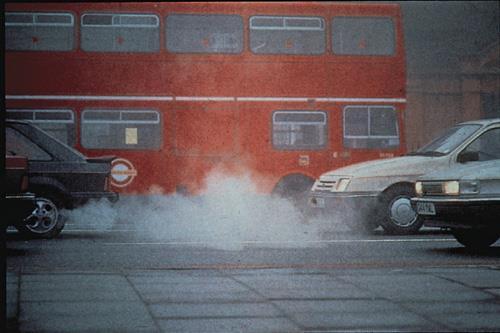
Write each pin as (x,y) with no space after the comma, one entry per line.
(60,123)
(121,129)
(370,127)
(299,130)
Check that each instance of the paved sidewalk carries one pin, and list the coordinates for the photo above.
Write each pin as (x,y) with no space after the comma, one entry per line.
(266,300)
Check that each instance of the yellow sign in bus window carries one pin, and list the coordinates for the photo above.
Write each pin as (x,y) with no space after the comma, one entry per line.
(131,136)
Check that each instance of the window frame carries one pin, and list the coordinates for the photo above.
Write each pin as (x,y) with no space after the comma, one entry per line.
(117,25)
(35,121)
(119,16)
(35,111)
(226,53)
(369,136)
(324,123)
(323,28)
(478,137)
(394,37)
(35,24)
(120,121)
(285,18)
(35,14)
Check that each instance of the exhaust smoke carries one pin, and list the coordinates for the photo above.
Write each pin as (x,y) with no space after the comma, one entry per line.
(229,215)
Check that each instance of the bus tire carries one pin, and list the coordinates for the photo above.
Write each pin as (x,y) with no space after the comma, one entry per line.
(396,216)
(295,189)
(293,185)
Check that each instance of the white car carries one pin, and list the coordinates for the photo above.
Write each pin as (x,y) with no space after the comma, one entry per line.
(465,199)
(379,192)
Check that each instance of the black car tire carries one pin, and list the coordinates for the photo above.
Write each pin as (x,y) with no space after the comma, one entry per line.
(396,216)
(45,221)
(476,238)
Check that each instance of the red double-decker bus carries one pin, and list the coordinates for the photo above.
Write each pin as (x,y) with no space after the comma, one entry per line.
(283,91)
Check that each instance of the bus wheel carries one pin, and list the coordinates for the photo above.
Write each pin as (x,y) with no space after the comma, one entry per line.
(45,221)
(397,217)
(295,188)
(293,185)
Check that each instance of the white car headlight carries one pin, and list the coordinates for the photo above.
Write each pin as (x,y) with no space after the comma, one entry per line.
(451,187)
(418,188)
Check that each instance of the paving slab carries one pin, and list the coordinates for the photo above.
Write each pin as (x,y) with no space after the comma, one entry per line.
(229,286)
(200,296)
(257,301)
(439,308)
(471,322)
(81,303)
(175,278)
(489,278)
(74,287)
(221,325)
(11,300)
(494,291)
(85,316)
(337,306)
(416,287)
(299,287)
(373,321)
(184,311)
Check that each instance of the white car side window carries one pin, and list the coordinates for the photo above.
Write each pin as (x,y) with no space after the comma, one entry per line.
(487,145)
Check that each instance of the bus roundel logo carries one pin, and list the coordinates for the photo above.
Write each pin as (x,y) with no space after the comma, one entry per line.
(122,172)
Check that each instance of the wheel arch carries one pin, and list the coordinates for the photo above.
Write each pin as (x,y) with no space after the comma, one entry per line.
(405,183)
(45,185)
(293,182)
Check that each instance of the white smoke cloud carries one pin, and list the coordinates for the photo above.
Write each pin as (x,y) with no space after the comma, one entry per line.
(229,215)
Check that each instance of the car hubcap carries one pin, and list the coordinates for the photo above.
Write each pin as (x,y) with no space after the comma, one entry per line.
(44,216)
(402,213)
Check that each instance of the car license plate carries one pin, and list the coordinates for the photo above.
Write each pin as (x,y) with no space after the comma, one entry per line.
(317,202)
(426,208)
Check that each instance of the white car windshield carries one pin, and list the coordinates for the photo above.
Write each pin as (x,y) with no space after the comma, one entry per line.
(447,142)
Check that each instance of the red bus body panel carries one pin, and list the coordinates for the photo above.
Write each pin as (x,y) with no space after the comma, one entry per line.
(216,109)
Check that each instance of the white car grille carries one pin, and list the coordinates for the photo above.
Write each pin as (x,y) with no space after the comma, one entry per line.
(325,185)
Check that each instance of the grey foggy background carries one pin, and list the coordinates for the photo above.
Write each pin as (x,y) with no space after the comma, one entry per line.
(439,34)
(453,67)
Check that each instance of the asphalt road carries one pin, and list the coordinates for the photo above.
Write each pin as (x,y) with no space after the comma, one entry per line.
(124,248)
(124,279)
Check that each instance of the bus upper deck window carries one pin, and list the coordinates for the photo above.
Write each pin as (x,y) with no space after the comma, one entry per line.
(39,31)
(204,33)
(287,35)
(363,36)
(112,32)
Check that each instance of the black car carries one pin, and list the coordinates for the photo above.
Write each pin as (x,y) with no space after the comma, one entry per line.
(58,175)
(19,201)
(465,199)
